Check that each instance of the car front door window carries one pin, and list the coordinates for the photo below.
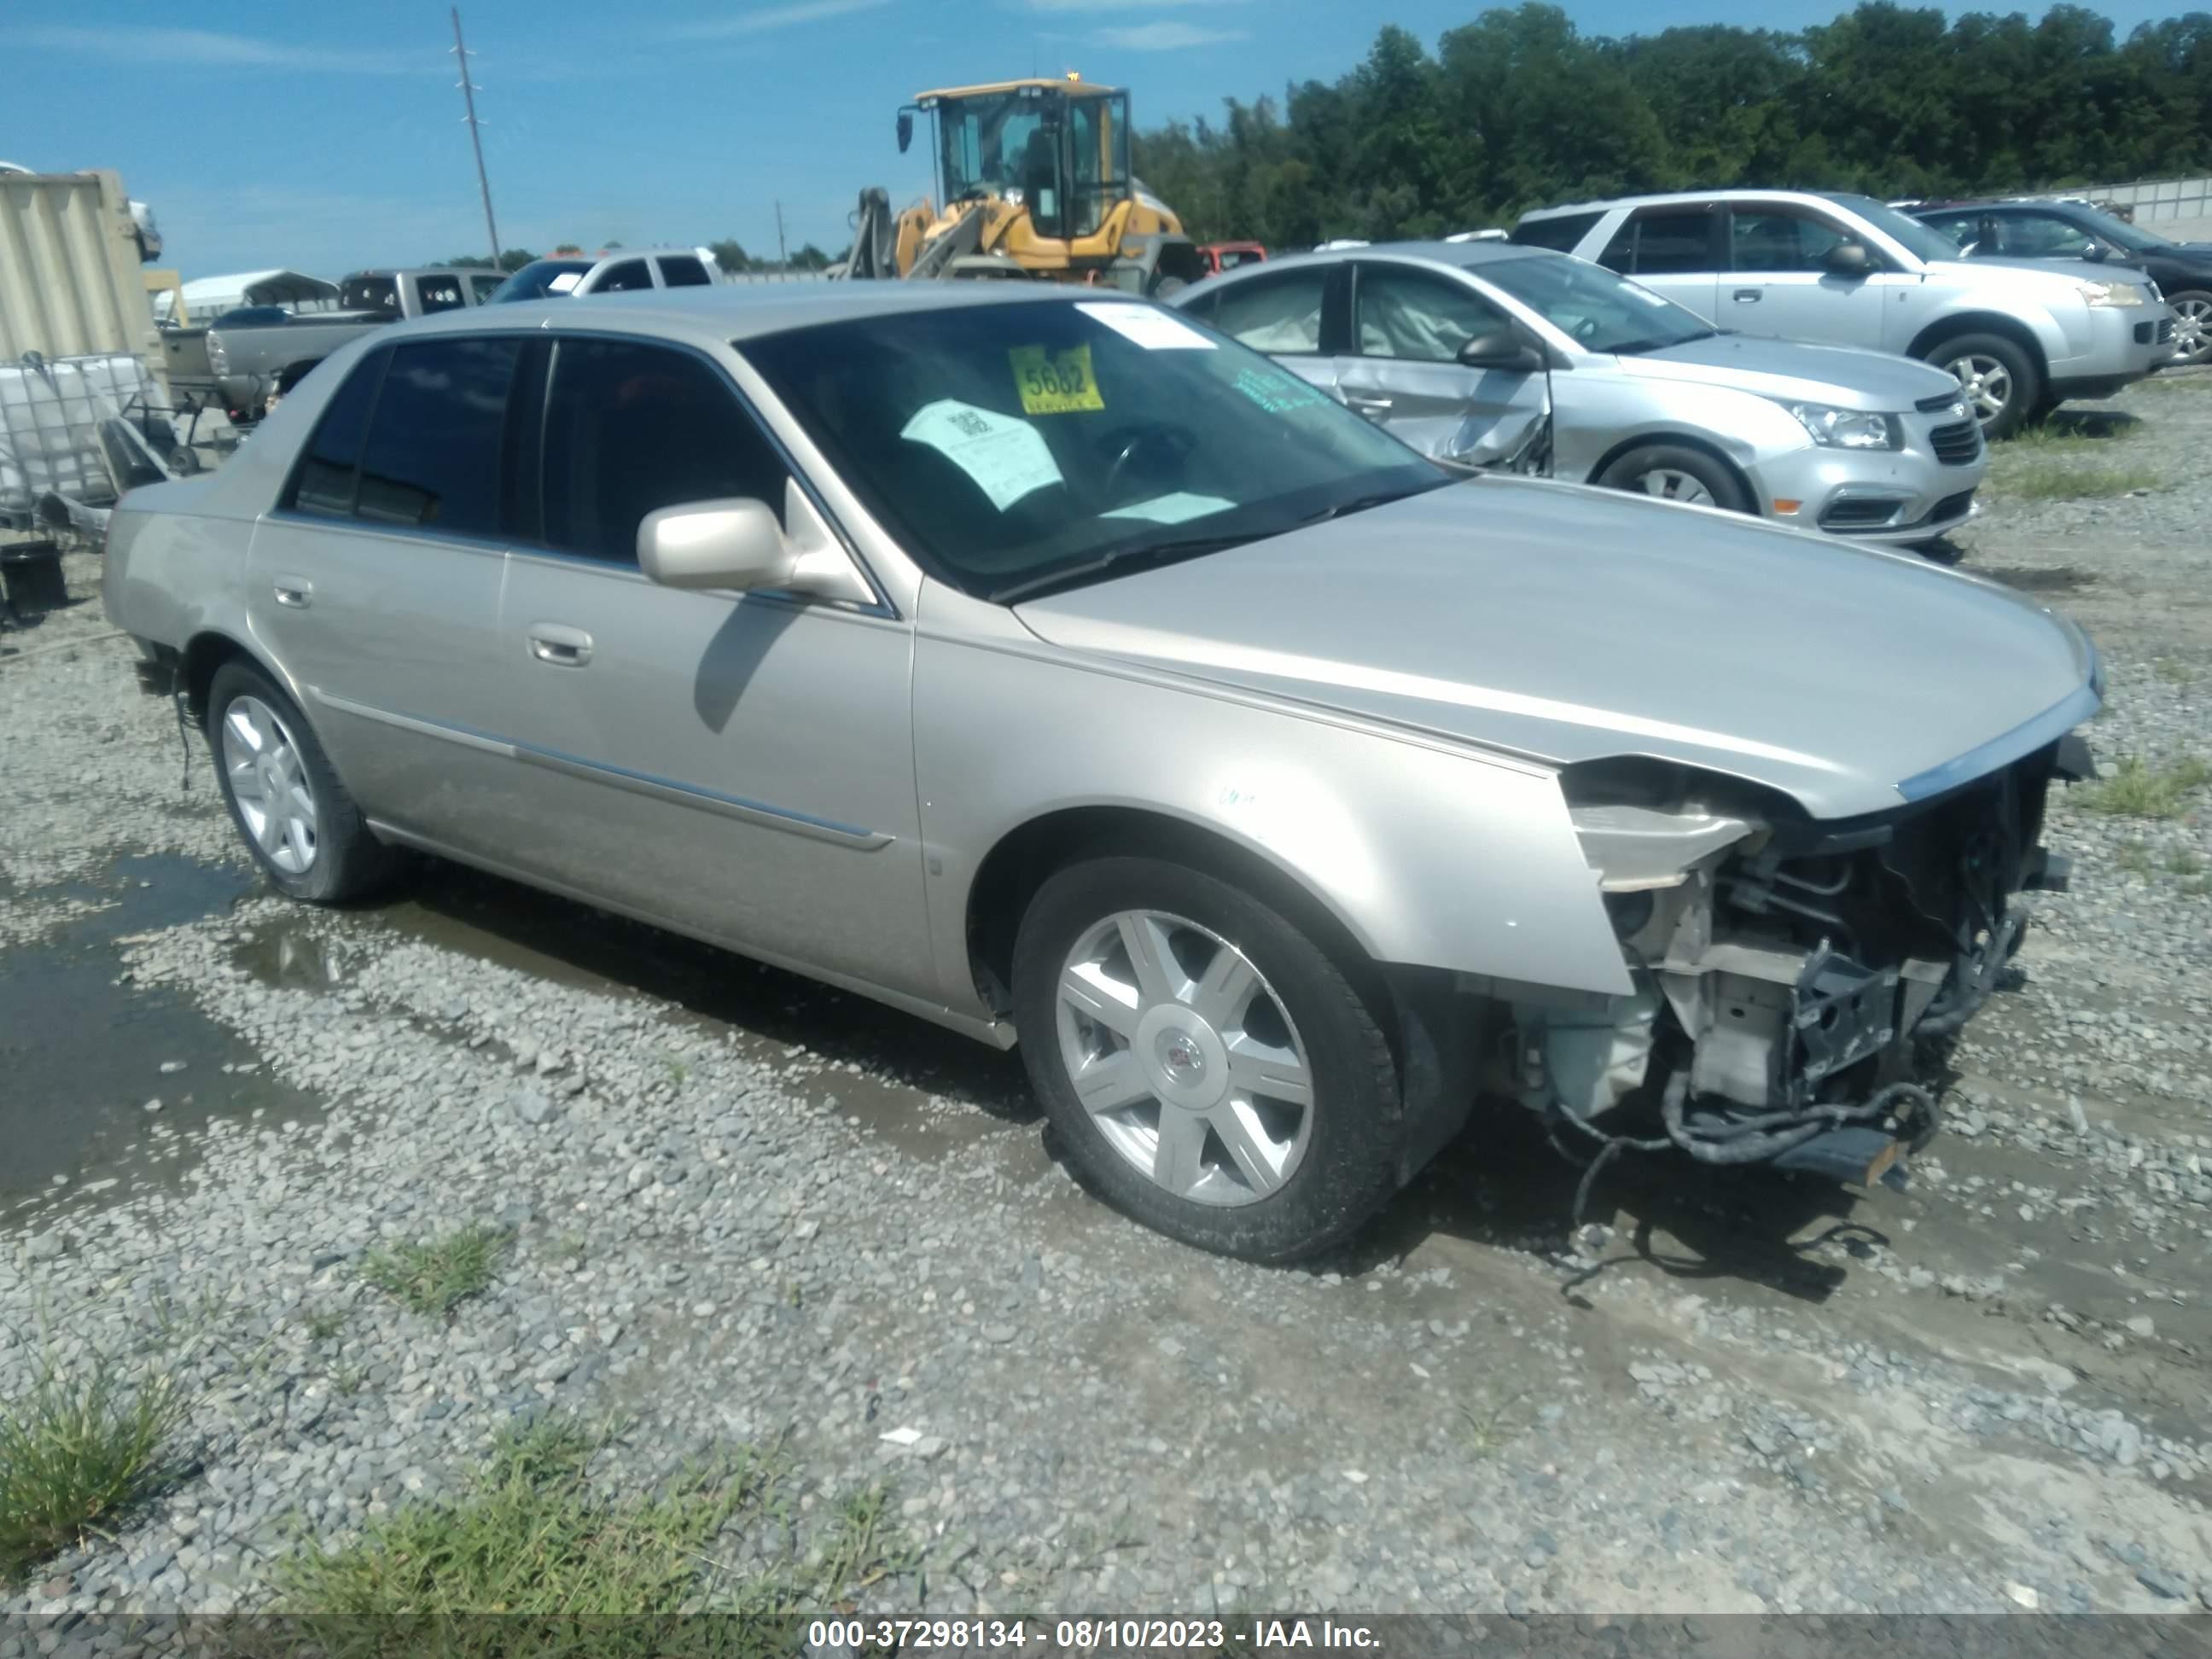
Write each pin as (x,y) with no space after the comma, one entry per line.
(1763,240)
(737,765)
(2044,236)
(1420,317)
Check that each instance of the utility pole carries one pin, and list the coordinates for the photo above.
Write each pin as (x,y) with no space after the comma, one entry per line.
(782,255)
(475,138)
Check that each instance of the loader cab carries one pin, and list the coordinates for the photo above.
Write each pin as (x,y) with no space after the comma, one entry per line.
(1058,148)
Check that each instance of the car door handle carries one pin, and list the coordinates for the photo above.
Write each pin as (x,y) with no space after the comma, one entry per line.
(562,647)
(1368,405)
(294,593)
(1746,296)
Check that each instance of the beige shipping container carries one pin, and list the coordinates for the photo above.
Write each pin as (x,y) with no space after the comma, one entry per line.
(70,279)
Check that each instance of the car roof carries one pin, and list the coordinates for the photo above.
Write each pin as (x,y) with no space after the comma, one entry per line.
(1672,197)
(1456,256)
(722,312)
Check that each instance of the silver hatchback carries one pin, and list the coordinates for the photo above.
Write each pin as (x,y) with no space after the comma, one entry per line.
(1481,355)
(1038,663)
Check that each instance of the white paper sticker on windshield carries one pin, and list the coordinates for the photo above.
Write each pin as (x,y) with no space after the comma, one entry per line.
(565,280)
(1155,330)
(1007,457)
(1176,507)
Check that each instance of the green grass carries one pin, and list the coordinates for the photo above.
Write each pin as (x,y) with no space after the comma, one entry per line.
(575,1571)
(2062,435)
(2182,862)
(2173,672)
(433,1278)
(2134,858)
(77,1453)
(2200,888)
(2139,791)
(324,1323)
(2043,480)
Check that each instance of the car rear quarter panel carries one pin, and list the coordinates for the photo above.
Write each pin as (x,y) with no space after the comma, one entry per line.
(1428,855)
(174,569)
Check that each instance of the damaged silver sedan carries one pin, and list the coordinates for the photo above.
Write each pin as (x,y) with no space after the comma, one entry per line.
(1052,668)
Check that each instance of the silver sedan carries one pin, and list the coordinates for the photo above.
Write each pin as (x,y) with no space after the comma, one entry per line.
(1485,355)
(1041,664)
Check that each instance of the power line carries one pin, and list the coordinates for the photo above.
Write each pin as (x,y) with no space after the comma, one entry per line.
(475,138)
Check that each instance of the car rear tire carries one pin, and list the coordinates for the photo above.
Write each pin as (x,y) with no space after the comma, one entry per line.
(1998,376)
(1675,473)
(1211,1070)
(2192,325)
(301,826)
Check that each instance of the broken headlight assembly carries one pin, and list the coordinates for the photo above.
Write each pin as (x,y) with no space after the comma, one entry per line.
(1782,967)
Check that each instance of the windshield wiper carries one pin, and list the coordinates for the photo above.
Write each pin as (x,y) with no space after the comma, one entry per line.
(1152,553)
(1361,503)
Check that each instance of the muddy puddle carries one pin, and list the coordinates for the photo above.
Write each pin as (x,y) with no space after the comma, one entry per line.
(82,1051)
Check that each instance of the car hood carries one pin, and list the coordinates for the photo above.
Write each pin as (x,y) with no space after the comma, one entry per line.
(1564,623)
(2040,280)
(1842,376)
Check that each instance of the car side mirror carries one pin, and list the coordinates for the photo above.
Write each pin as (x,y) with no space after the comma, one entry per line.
(1500,349)
(1849,259)
(736,544)
(2096,253)
(905,129)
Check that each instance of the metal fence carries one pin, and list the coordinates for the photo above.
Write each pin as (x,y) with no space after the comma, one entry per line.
(2159,199)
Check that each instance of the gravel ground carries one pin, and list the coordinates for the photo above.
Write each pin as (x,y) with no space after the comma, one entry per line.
(741,1209)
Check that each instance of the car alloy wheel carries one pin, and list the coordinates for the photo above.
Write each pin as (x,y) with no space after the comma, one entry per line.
(1986,382)
(2193,328)
(1185,1058)
(1671,485)
(261,762)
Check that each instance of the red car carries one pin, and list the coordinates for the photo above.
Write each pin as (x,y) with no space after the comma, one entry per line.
(1227,256)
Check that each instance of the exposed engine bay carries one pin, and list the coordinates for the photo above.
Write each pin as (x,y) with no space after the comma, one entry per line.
(1785,968)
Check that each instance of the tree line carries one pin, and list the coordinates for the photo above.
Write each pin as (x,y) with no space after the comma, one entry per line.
(1517,109)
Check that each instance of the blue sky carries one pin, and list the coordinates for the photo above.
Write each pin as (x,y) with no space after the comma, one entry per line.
(326,138)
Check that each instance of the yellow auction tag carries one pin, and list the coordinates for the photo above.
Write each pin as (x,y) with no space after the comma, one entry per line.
(1060,384)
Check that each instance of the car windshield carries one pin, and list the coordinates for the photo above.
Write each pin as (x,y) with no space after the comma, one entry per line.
(1597,310)
(2117,231)
(1923,242)
(1017,447)
(540,279)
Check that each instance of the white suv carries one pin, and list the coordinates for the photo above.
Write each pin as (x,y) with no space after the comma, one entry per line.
(622,271)
(1848,270)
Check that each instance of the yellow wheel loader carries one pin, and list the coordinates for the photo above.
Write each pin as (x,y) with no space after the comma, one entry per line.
(1033,179)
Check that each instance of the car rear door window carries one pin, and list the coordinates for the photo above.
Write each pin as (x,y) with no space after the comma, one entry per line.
(683,271)
(433,455)
(632,428)
(1778,239)
(329,465)
(1562,234)
(626,277)
(1414,315)
(1276,314)
(1668,241)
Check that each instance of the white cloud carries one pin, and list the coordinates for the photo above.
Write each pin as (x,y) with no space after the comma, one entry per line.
(765,18)
(209,49)
(1166,37)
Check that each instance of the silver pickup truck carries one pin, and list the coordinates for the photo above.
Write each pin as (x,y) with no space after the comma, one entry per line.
(241,368)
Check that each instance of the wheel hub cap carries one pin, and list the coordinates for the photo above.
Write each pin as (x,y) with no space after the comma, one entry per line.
(262,768)
(1185,1058)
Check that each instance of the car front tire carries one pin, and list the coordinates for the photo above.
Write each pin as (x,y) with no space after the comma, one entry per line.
(1674,472)
(1999,377)
(2192,332)
(1211,1070)
(301,826)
